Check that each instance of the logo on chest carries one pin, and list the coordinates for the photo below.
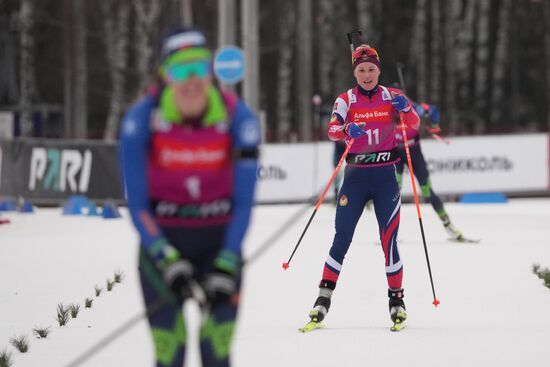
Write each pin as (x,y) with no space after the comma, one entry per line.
(177,154)
(370,115)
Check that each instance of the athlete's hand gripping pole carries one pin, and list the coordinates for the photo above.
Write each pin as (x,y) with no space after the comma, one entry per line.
(413,183)
(286,264)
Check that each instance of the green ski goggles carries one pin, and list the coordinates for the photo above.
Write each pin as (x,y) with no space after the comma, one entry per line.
(181,72)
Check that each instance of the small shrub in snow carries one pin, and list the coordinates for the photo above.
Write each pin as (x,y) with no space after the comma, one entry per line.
(21,343)
(74,308)
(98,291)
(41,332)
(5,358)
(88,302)
(119,275)
(543,274)
(110,285)
(63,314)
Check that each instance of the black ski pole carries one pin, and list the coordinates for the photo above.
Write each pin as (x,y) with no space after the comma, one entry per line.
(350,39)
(277,234)
(286,264)
(416,201)
(399,67)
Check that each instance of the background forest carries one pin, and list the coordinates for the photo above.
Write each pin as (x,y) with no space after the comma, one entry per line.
(70,68)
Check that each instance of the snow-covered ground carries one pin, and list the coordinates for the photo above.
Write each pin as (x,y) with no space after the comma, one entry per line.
(493,312)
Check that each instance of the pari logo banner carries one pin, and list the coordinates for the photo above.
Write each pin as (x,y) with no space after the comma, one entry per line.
(60,170)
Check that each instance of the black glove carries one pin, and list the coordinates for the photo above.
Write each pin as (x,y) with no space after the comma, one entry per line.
(177,275)
(219,287)
(221,283)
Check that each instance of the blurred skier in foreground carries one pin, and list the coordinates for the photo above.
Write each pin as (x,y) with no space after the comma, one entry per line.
(189,156)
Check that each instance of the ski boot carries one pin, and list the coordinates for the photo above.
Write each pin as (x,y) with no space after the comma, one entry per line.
(321,306)
(398,314)
(454,233)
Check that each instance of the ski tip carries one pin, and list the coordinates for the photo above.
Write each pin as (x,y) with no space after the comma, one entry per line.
(435,302)
(285,265)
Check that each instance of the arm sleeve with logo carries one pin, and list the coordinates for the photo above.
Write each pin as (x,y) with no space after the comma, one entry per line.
(134,139)
(338,118)
(245,131)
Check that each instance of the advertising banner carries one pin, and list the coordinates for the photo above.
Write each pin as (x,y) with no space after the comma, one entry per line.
(507,163)
(293,172)
(51,170)
(504,163)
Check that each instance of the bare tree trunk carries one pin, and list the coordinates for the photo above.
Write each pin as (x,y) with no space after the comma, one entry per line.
(186,13)
(147,15)
(366,14)
(481,63)
(68,111)
(26,72)
(326,49)
(342,67)
(227,27)
(8,77)
(546,17)
(436,50)
(305,77)
(250,41)
(81,70)
(500,63)
(116,16)
(463,53)
(287,24)
(451,29)
(418,52)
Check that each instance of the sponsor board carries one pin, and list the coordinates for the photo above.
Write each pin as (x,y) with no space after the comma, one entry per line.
(507,163)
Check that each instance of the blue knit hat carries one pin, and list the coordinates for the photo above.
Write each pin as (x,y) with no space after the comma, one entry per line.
(183,45)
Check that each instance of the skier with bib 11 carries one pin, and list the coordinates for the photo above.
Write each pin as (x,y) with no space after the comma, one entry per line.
(368,114)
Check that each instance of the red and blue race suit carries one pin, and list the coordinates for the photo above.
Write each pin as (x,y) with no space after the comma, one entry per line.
(369,175)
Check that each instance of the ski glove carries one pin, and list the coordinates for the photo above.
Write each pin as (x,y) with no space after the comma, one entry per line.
(176,272)
(177,276)
(222,282)
(400,103)
(434,129)
(354,129)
